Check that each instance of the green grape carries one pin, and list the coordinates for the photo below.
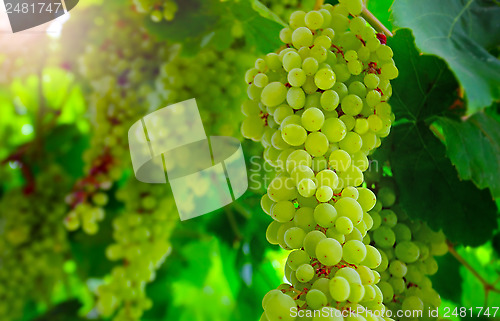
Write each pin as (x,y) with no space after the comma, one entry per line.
(311,241)
(302,37)
(339,160)
(366,274)
(389,218)
(307,187)
(362,126)
(351,192)
(291,61)
(294,237)
(351,143)
(354,251)
(343,225)
(297,77)
(316,144)
(272,232)
(412,303)
(283,211)
(304,218)
(407,251)
(339,288)
(328,178)
(351,275)
(325,215)
(310,66)
(357,293)
(387,291)
(350,208)
(312,119)
(384,237)
(281,113)
(273,94)
(398,268)
(387,196)
(366,199)
(373,257)
(352,105)
(329,100)
(305,273)
(261,80)
(297,258)
(296,97)
(334,129)
(329,251)
(324,79)
(371,81)
(324,193)
(353,6)
(294,135)
(278,308)
(281,189)
(301,172)
(316,299)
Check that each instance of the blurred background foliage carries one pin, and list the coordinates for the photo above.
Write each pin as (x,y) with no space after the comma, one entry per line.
(68,97)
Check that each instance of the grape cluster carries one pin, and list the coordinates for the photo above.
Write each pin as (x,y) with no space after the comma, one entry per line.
(33,242)
(141,244)
(407,248)
(319,107)
(120,67)
(213,78)
(157,9)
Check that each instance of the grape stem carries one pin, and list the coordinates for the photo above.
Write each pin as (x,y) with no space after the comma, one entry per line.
(488,287)
(318,4)
(375,23)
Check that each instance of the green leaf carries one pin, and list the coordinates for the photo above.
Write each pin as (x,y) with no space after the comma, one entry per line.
(260,27)
(429,185)
(265,12)
(425,86)
(474,148)
(430,188)
(460,32)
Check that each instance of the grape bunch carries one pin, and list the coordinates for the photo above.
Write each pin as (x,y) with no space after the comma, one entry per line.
(141,244)
(319,107)
(157,9)
(213,78)
(407,248)
(33,242)
(119,66)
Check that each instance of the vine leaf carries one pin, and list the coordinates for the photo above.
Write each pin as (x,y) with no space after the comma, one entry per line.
(425,85)
(429,185)
(474,148)
(431,190)
(461,32)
